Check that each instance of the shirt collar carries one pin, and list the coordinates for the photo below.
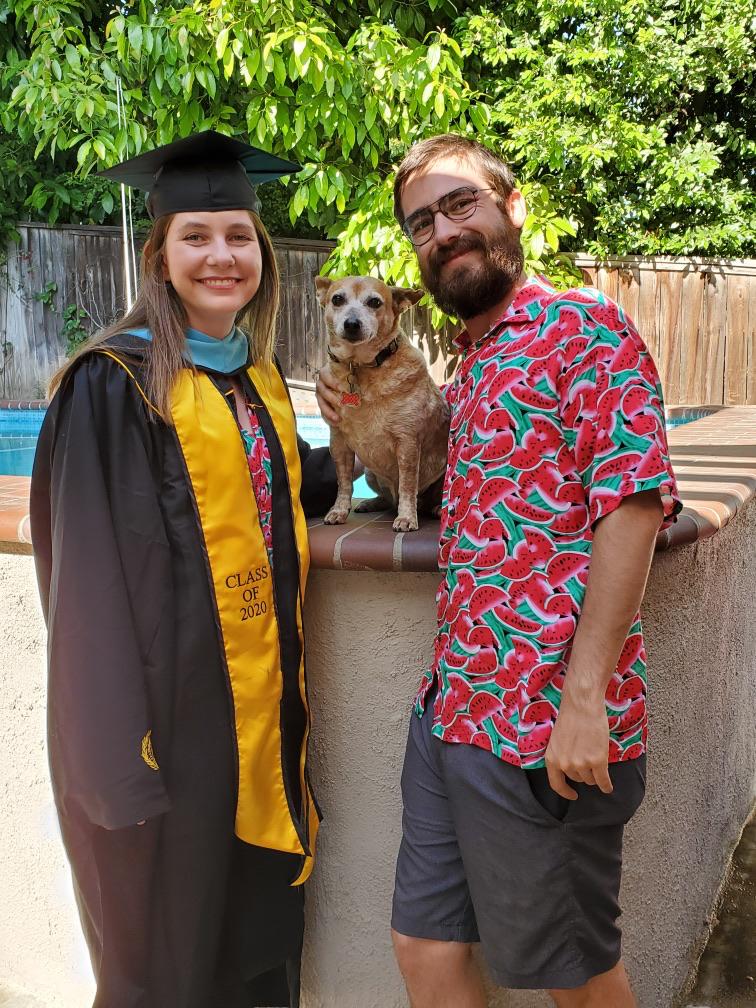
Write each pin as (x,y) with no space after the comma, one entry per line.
(526,305)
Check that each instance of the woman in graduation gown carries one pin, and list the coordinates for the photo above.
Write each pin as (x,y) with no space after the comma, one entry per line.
(167,509)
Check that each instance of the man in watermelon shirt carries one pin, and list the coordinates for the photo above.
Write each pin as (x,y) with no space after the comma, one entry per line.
(526,751)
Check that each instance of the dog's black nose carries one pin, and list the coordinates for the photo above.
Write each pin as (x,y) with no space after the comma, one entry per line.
(352,327)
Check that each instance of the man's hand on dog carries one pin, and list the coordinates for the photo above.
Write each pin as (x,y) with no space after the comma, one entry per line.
(328,394)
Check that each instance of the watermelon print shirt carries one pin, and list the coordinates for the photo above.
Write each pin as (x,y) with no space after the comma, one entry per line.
(260,468)
(556,417)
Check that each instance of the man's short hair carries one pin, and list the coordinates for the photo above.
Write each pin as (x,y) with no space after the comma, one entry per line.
(425,152)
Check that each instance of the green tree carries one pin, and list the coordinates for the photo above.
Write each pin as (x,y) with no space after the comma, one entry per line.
(339,88)
(630,123)
(638,115)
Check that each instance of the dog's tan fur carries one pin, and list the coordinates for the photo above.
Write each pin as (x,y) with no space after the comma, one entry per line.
(400,428)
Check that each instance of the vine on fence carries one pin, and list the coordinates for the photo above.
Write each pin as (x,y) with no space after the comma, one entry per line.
(76,321)
(73,331)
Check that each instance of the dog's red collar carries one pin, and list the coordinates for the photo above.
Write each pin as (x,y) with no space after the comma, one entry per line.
(387,352)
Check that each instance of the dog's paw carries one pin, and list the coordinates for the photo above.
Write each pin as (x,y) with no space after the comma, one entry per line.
(404,523)
(336,516)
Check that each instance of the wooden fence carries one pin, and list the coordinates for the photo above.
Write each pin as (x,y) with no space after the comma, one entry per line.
(84,265)
(697,316)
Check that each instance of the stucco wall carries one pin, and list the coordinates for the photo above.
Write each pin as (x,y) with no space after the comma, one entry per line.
(368,637)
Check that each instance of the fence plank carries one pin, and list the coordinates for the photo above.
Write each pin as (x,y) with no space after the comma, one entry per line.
(646,318)
(5,347)
(314,330)
(283,346)
(589,276)
(668,322)
(714,336)
(628,291)
(692,349)
(737,349)
(751,384)
(608,282)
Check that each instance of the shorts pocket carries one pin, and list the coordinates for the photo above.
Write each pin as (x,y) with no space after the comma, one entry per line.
(553,805)
(594,809)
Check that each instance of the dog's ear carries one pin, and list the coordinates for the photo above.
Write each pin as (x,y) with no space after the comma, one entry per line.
(322,286)
(404,297)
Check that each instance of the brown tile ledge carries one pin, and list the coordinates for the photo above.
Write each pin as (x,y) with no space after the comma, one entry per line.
(15,535)
(23,404)
(714,459)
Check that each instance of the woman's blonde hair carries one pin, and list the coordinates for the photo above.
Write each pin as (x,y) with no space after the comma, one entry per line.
(159,309)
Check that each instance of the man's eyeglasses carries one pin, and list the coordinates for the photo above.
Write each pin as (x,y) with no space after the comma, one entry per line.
(457,205)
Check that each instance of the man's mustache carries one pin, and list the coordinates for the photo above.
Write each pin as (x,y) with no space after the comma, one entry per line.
(465,243)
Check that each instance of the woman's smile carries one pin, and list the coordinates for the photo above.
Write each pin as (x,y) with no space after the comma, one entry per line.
(219,283)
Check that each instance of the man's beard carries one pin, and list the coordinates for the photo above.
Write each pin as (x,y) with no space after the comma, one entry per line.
(470,290)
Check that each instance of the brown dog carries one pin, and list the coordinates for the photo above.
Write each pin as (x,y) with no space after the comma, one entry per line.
(393,414)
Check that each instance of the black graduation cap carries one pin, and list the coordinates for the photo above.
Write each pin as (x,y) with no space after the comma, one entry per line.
(206,171)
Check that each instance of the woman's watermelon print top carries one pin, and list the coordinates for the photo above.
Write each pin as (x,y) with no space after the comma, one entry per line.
(556,416)
(261,471)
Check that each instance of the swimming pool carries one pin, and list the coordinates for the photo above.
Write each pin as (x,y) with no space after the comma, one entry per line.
(19,429)
(18,439)
(678,415)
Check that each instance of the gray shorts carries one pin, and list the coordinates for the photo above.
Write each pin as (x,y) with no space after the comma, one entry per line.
(490,853)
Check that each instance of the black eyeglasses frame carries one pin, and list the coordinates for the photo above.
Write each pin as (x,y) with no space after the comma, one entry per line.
(436,208)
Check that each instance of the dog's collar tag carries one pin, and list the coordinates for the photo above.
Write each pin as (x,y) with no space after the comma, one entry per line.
(352,397)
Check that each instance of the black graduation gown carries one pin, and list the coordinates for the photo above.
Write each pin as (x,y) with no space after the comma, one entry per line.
(177,913)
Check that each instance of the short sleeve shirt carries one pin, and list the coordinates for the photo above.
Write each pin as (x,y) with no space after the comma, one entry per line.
(556,417)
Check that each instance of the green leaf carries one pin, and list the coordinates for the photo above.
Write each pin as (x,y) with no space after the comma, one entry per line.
(279,69)
(536,243)
(135,39)
(82,154)
(72,57)
(228,63)
(221,43)
(252,63)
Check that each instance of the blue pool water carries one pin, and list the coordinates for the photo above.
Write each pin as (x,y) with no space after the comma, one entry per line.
(315,432)
(680,415)
(19,430)
(18,439)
